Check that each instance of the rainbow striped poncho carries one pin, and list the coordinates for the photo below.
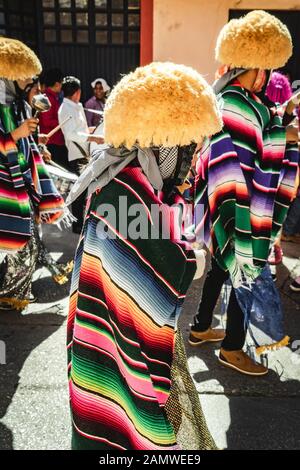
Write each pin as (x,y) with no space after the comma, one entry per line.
(24,184)
(126,296)
(245,182)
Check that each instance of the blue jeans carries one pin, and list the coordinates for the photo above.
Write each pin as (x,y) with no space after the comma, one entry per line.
(291,225)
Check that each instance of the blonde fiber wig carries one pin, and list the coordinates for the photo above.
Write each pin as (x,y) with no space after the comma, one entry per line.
(17,61)
(258,40)
(161,104)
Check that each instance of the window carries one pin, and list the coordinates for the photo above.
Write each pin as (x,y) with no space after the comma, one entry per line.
(117,19)
(117,37)
(101,19)
(101,4)
(117,4)
(106,22)
(133,4)
(2,19)
(101,37)
(83,36)
(65,19)
(50,21)
(64,3)
(66,35)
(120,22)
(81,3)
(49,18)
(48,4)
(50,35)
(17,21)
(82,19)
(133,20)
(133,37)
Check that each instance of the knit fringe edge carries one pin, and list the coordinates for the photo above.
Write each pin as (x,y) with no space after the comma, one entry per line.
(65,221)
(60,279)
(274,346)
(17,304)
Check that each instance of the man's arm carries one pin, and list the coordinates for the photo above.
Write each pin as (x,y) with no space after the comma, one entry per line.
(72,128)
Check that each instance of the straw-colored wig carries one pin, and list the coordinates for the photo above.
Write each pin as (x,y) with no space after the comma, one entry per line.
(257,40)
(17,61)
(161,104)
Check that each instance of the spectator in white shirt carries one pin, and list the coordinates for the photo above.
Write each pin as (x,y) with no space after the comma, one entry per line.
(77,136)
(75,130)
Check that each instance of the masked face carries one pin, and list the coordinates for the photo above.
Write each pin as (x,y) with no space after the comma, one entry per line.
(35,90)
(260,81)
(174,164)
(184,163)
(25,85)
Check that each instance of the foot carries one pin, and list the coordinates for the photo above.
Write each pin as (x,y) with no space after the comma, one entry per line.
(290,238)
(209,336)
(295,286)
(275,256)
(238,360)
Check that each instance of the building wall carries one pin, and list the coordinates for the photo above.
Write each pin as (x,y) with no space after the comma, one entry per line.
(185,31)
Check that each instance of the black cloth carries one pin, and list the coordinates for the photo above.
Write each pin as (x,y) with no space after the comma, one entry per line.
(78,206)
(59,154)
(235,328)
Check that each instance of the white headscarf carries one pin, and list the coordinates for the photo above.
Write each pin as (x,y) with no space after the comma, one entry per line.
(105,86)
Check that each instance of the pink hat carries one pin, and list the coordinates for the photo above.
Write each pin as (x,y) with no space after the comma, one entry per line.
(279,89)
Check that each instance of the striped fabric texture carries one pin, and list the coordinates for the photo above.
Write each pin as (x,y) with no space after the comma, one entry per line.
(24,182)
(245,183)
(126,297)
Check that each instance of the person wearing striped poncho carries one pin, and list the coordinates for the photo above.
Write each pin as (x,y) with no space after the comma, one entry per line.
(27,193)
(128,376)
(245,179)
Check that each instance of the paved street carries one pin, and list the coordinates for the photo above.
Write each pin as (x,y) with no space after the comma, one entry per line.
(242,412)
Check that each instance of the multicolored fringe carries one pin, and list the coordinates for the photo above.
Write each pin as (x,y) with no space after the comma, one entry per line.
(24,183)
(274,346)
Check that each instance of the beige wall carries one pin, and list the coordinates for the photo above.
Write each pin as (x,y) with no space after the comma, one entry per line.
(185,31)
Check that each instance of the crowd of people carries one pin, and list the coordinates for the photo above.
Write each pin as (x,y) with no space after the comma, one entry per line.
(161,138)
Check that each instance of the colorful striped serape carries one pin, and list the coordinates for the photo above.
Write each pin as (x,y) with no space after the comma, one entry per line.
(126,297)
(245,184)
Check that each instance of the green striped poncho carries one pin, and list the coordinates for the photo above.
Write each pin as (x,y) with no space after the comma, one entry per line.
(245,182)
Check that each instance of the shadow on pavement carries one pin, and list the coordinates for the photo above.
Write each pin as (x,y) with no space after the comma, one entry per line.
(264,411)
(21,334)
(46,290)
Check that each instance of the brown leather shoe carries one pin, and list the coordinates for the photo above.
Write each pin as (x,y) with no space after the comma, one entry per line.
(209,336)
(290,238)
(239,361)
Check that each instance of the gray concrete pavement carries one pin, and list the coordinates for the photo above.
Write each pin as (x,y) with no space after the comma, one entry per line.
(242,412)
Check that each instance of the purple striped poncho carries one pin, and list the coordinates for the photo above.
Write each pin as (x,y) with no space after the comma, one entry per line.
(245,183)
